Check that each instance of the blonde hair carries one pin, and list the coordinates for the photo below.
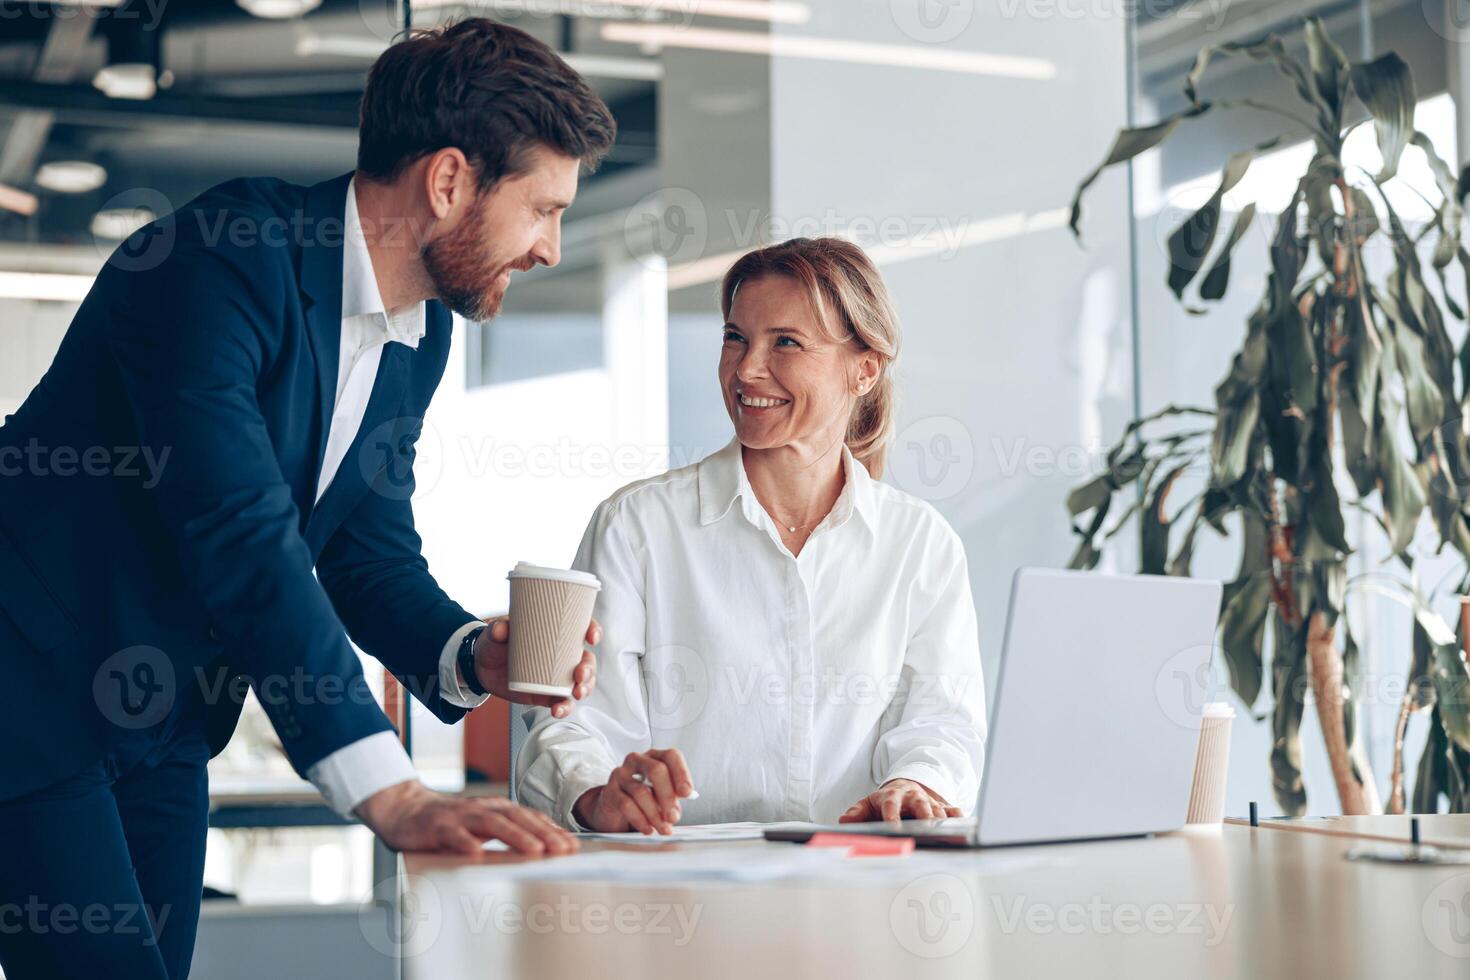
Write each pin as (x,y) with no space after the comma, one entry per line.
(851,301)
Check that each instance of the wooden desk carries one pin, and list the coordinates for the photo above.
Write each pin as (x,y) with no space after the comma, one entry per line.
(1235,902)
(1442,829)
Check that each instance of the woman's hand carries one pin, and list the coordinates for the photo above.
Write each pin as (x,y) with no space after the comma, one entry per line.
(492,660)
(648,804)
(897,799)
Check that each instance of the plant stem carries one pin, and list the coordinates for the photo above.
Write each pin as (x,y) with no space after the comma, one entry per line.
(1325,662)
(1396,782)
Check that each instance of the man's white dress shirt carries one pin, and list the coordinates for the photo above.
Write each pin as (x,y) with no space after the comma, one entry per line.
(358,770)
(793,685)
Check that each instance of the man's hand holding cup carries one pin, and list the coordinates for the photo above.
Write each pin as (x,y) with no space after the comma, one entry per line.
(535,655)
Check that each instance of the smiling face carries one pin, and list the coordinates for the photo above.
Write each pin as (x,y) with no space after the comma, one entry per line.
(785,379)
(512,227)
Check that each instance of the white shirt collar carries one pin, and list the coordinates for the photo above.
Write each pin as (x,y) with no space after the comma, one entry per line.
(360,296)
(722,480)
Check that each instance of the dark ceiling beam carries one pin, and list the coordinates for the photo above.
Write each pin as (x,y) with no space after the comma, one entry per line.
(85,106)
(281,84)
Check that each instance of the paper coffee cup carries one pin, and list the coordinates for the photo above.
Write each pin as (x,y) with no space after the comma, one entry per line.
(1211,760)
(550,609)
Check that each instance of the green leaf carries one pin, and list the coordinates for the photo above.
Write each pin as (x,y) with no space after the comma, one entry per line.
(1087,554)
(1217,503)
(1294,358)
(1457,772)
(1386,87)
(1421,685)
(1408,302)
(1444,292)
(1449,215)
(1323,174)
(1288,254)
(1426,408)
(1093,493)
(1190,243)
(1288,687)
(1364,356)
(1324,506)
(1403,495)
(1273,50)
(1429,780)
(1128,144)
(1218,277)
(1153,527)
(1464,356)
(1357,442)
(1238,406)
(1329,589)
(1364,222)
(1246,603)
(1233,437)
(1184,557)
(1328,63)
(1451,675)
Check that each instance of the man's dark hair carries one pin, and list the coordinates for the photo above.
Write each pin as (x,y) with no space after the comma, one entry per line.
(491,90)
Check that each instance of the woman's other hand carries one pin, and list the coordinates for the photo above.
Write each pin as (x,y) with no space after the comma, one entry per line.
(898,799)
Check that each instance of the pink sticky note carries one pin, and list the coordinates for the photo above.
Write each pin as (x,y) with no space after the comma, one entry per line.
(859,845)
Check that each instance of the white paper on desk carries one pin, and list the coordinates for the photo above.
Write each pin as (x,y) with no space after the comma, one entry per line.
(692,834)
(704,864)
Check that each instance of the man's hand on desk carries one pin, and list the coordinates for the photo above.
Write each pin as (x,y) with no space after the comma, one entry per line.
(897,799)
(492,656)
(409,816)
(642,794)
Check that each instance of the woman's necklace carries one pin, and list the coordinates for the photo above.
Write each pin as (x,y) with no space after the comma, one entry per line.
(793,528)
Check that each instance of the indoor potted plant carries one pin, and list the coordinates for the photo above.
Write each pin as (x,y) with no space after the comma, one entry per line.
(1343,395)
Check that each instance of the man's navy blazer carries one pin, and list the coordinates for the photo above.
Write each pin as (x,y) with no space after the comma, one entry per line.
(158,523)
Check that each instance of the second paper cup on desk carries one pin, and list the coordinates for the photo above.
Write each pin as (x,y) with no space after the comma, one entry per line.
(1211,763)
(550,610)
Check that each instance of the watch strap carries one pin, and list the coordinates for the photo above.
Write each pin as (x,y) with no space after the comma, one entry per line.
(465,660)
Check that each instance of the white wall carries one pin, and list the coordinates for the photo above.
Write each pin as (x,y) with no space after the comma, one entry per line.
(30,332)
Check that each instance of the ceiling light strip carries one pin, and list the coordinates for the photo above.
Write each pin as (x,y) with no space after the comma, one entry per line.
(17,200)
(1000,228)
(774,12)
(832,49)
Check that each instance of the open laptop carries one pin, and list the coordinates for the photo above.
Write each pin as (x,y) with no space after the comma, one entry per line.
(1098,700)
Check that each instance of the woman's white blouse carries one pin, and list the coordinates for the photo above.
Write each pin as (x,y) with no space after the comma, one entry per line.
(794,686)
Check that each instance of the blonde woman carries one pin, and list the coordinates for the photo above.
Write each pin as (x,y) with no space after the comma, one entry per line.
(781,632)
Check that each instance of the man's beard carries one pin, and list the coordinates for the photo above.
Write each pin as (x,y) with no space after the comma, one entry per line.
(460,280)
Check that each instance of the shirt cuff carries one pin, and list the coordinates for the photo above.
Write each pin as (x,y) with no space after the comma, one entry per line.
(451,686)
(573,785)
(360,769)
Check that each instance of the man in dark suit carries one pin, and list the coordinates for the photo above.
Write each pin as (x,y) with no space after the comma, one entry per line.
(211,487)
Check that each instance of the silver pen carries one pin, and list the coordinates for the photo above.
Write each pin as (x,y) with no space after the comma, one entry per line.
(693,793)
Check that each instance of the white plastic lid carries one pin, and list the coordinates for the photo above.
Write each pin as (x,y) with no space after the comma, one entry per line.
(1218,709)
(525,569)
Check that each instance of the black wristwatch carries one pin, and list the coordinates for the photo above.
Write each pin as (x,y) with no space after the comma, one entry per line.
(465,660)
